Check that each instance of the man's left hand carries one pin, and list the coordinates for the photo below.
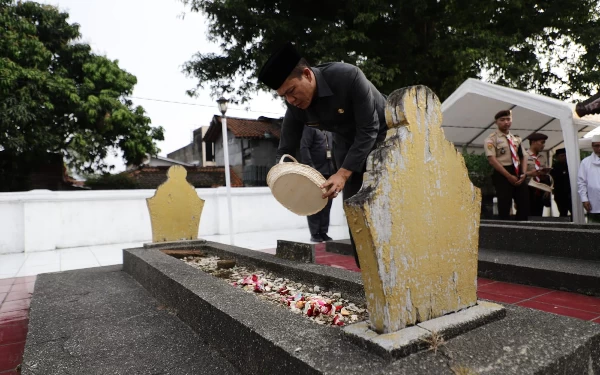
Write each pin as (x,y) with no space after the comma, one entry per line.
(335,184)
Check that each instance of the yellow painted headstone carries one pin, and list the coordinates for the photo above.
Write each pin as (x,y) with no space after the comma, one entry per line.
(175,208)
(415,221)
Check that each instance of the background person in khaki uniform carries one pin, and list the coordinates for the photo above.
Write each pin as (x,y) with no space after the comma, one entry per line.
(537,168)
(510,168)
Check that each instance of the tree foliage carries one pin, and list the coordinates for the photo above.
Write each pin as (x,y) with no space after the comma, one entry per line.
(550,47)
(56,96)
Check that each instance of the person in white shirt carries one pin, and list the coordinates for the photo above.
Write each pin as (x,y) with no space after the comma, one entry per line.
(588,182)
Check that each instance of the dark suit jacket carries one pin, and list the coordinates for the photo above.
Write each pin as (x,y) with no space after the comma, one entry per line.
(346,104)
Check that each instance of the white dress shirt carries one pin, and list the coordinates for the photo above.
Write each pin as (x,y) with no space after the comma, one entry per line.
(588,182)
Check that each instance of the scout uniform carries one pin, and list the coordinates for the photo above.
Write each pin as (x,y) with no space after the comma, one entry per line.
(536,196)
(497,144)
(345,103)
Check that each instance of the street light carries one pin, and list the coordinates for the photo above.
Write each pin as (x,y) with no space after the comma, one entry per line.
(223,108)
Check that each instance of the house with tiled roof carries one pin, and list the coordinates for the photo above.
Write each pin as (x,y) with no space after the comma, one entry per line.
(252,147)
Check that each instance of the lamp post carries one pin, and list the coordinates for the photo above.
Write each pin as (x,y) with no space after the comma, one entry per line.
(223,108)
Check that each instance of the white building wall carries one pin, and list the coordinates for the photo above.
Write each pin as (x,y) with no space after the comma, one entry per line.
(43,220)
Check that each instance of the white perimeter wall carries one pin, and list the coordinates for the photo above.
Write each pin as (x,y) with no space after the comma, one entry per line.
(42,220)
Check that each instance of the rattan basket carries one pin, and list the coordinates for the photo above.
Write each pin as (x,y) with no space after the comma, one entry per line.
(297,186)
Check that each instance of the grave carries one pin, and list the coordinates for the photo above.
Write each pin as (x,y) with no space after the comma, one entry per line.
(128,320)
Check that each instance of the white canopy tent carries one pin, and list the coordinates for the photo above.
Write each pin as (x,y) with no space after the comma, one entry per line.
(469,119)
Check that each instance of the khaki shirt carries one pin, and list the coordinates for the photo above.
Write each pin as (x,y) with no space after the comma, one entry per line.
(496,145)
(531,162)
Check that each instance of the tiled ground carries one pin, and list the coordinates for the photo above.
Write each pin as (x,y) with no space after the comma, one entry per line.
(15,292)
(15,295)
(561,303)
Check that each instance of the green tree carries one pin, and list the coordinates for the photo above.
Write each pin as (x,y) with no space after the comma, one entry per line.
(58,97)
(550,47)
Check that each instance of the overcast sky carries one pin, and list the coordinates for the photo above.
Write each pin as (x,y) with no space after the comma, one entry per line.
(152,40)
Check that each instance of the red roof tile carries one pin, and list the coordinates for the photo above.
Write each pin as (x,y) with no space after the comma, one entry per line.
(244,128)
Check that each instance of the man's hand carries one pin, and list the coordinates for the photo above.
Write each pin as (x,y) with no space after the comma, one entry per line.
(520,180)
(335,184)
(587,206)
(535,173)
(512,179)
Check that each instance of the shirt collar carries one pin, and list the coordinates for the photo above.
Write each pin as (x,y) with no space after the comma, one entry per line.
(500,134)
(323,89)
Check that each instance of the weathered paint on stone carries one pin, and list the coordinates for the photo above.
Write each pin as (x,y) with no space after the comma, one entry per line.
(175,208)
(415,221)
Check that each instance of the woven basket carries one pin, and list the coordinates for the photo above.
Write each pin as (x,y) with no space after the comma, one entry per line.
(297,187)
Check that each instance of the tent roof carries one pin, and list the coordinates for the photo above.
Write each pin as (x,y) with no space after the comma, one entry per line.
(469,114)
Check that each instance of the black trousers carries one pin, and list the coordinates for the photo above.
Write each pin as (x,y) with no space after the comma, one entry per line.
(536,202)
(563,202)
(319,222)
(506,192)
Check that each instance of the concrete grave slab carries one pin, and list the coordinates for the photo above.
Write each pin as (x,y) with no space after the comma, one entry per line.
(412,339)
(257,337)
(297,251)
(100,321)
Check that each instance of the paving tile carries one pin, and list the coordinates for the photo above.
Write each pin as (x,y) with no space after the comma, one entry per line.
(498,297)
(10,263)
(10,372)
(25,279)
(571,300)
(11,333)
(22,304)
(559,310)
(3,297)
(17,295)
(14,316)
(27,287)
(12,355)
(5,288)
(36,270)
(6,281)
(43,258)
(513,290)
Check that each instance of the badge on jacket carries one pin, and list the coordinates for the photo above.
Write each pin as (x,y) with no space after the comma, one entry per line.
(341,111)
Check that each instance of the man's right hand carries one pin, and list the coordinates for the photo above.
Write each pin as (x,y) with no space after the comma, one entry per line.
(587,206)
(520,180)
(513,180)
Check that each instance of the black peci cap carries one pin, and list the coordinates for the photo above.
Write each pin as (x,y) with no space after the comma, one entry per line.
(279,66)
(560,151)
(503,113)
(537,137)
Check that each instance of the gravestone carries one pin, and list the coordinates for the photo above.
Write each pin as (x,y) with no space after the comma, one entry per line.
(415,221)
(175,208)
